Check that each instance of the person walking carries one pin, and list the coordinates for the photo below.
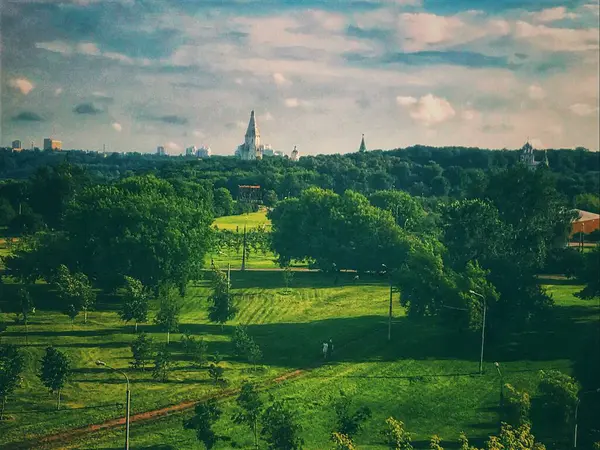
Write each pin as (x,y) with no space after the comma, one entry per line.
(325,350)
(330,348)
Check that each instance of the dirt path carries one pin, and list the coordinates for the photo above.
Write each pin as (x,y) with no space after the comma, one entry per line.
(58,440)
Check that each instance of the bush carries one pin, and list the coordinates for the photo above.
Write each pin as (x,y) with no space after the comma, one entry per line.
(517,405)
(557,398)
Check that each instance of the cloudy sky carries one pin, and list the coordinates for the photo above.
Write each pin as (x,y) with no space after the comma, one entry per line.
(134,74)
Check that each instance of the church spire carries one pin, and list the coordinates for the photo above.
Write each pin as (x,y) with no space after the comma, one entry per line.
(252,130)
(363,147)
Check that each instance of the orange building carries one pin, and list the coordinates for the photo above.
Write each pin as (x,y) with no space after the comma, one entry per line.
(586,222)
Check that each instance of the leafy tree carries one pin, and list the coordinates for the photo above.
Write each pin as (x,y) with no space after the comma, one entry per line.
(349,422)
(435,443)
(223,202)
(135,302)
(170,308)
(74,290)
(216,372)
(517,405)
(280,430)
(254,354)
(270,198)
(221,307)
(54,372)
(288,277)
(250,409)
(26,307)
(407,210)
(72,312)
(587,202)
(7,212)
(557,396)
(244,346)
(3,326)
(142,351)
(342,442)
(163,364)
(514,438)
(395,435)
(12,362)
(205,416)
(195,349)
(588,274)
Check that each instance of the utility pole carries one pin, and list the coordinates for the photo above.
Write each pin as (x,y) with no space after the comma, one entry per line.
(575,432)
(483,302)
(244,250)
(390,312)
(127,400)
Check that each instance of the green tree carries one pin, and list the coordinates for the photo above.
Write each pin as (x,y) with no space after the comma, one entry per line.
(557,397)
(167,317)
(74,289)
(195,349)
(342,442)
(395,435)
(270,198)
(588,202)
(216,372)
(163,364)
(588,274)
(135,302)
(12,362)
(517,405)
(205,416)
(288,277)
(435,443)
(223,202)
(220,308)
(514,438)
(349,422)
(54,372)
(280,430)
(407,210)
(142,351)
(250,409)
(7,212)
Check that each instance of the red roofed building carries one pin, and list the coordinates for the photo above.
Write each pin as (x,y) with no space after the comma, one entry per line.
(586,222)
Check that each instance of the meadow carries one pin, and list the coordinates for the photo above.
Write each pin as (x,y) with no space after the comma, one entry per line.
(426,376)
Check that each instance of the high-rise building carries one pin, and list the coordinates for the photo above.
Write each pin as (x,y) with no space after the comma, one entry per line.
(204,152)
(52,144)
(17,146)
(191,151)
(160,150)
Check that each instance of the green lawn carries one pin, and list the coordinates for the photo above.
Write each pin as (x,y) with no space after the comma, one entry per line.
(251,220)
(425,377)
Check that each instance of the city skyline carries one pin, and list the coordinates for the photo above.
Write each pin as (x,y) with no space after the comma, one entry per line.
(136,74)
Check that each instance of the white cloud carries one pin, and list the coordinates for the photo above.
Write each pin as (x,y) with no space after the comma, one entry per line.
(536,92)
(470,115)
(267,117)
(292,102)
(173,146)
(552,15)
(88,48)
(405,101)
(429,109)
(21,84)
(557,39)
(582,109)
(198,133)
(58,91)
(280,79)
(56,47)
(117,126)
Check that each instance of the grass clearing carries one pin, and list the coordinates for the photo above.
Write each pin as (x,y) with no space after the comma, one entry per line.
(426,377)
(237,222)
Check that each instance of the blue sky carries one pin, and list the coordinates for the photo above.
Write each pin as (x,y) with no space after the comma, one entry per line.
(134,74)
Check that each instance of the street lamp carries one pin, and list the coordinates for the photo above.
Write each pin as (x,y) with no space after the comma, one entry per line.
(575,432)
(501,384)
(127,401)
(385,269)
(482,329)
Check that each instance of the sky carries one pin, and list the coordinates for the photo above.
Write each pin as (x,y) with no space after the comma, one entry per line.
(135,74)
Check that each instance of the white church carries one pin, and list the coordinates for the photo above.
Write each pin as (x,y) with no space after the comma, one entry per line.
(252,148)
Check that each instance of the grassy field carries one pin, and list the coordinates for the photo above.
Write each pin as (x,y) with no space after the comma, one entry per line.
(251,220)
(425,377)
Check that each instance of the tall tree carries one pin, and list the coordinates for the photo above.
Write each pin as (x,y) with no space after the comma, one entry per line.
(74,289)
(163,363)
(12,362)
(170,308)
(588,274)
(280,429)
(349,421)
(220,308)
(142,351)
(135,302)
(251,407)
(223,202)
(26,308)
(205,416)
(54,372)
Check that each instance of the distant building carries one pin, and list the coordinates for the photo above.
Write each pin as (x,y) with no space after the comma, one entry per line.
(295,154)
(252,147)
(586,222)
(363,147)
(204,152)
(191,151)
(160,150)
(52,144)
(17,146)
(528,158)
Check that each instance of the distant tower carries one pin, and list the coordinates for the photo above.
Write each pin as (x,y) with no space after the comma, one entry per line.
(527,156)
(251,148)
(295,154)
(363,147)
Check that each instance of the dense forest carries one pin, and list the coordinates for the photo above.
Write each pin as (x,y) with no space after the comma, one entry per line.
(456,172)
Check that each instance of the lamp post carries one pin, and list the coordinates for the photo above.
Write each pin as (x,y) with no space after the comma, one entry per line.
(483,302)
(389,336)
(501,384)
(575,432)
(127,400)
